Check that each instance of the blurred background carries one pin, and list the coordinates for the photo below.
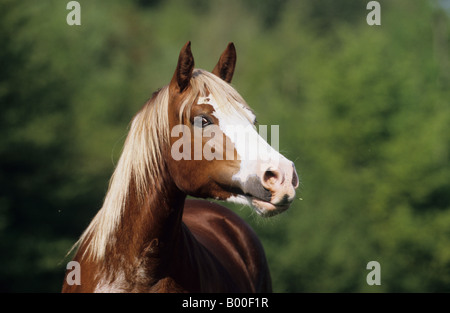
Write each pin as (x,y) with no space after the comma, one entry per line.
(363,111)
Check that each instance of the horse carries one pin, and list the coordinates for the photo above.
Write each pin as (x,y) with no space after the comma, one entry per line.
(148,237)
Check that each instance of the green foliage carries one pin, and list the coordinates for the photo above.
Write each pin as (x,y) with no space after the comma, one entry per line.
(363,111)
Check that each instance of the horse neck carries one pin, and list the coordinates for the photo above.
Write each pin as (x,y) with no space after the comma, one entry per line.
(150,230)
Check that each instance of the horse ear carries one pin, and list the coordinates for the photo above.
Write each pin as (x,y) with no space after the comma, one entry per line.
(227,62)
(185,66)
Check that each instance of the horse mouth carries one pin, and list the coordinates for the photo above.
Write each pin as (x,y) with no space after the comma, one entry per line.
(268,209)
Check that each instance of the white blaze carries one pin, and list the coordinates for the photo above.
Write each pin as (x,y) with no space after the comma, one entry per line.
(255,154)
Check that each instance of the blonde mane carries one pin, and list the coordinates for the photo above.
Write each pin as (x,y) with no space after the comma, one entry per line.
(141,159)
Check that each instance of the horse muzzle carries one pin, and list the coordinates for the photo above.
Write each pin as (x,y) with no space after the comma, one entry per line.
(273,189)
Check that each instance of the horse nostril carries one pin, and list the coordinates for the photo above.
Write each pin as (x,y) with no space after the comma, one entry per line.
(295,181)
(271,177)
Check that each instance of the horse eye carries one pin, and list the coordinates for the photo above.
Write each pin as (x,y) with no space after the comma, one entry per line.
(205,121)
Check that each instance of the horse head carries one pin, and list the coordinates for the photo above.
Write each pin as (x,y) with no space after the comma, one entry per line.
(215,147)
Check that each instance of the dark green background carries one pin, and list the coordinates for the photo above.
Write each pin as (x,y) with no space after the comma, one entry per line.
(364,111)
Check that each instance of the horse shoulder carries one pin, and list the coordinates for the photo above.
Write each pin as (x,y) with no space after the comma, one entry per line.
(230,239)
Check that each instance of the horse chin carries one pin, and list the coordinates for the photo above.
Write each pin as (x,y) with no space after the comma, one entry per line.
(261,207)
(267,209)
